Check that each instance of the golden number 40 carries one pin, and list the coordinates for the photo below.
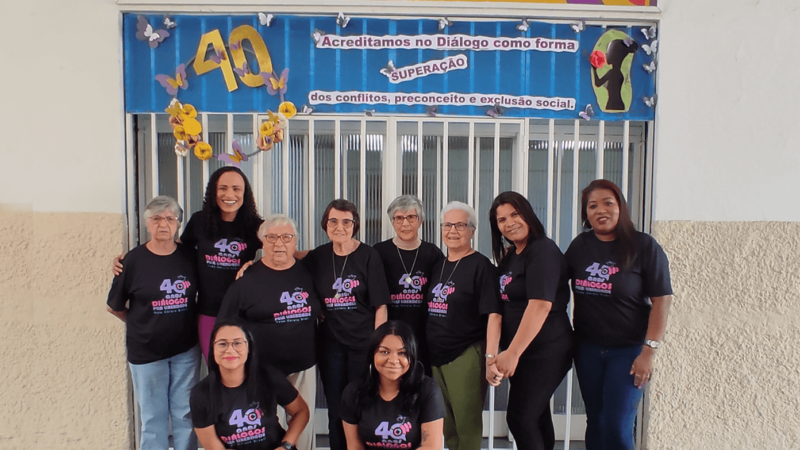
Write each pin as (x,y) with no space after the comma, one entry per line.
(239,34)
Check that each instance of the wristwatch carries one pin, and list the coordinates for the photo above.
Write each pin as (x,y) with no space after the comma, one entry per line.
(652,344)
(288,445)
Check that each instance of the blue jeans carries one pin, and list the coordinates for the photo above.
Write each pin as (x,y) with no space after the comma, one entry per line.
(162,390)
(610,396)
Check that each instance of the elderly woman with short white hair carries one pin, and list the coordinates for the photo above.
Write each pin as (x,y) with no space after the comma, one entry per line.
(408,262)
(155,296)
(465,296)
(278,303)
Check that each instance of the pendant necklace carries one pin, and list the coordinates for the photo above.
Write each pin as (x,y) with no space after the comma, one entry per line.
(451,273)
(407,272)
(333,257)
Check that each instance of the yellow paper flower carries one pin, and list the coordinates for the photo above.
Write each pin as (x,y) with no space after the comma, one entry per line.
(192,127)
(188,111)
(287,109)
(203,151)
(174,108)
(264,143)
(277,136)
(192,140)
(266,128)
(180,133)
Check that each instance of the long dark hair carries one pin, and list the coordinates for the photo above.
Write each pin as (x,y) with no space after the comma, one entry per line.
(255,388)
(625,232)
(247,219)
(410,382)
(524,208)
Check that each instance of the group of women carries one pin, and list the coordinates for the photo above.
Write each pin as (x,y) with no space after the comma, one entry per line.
(406,338)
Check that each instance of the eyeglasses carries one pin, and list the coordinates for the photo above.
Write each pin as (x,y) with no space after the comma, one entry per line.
(412,219)
(347,223)
(222,346)
(460,226)
(273,238)
(170,219)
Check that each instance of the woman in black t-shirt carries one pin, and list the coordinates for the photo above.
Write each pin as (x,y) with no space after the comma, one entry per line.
(464,296)
(155,296)
(235,406)
(622,290)
(224,233)
(351,282)
(396,406)
(536,335)
(409,262)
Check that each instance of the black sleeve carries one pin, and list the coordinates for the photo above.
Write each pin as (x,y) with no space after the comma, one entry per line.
(655,264)
(574,246)
(350,412)
(285,393)
(487,286)
(310,260)
(543,271)
(199,402)
(231,302)
(376,280)
(189,235)
(118,294)
(431,402)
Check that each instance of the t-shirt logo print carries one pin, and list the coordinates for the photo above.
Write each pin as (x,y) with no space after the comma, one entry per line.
(228,255)
(346,286)
(248,427)
(297,309)
(396,433)
(415,283)
(234,247)
(601,273)
(597,280)
(175,299)
(505,280)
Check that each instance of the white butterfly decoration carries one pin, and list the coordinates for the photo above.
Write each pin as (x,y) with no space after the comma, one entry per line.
(578,27)
(649,33)
(146,32)
(265,19)
(168,22)
(587,113)
(523,27)
(650,101)
(306,110)
(317,35)
(444,22)
(342,20)
(651,48)
(389,68)
(650,68)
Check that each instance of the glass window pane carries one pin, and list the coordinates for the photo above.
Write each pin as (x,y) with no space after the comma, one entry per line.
(324,155)
(458,162)
(432,135)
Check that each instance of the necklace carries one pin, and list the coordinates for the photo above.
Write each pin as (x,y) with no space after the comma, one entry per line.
(451,273)
(408,272)
(339,289)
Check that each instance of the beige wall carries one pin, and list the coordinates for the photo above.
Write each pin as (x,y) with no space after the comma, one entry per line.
(64,378)
(728,377)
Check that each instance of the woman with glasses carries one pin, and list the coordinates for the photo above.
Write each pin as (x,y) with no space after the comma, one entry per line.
(155,296)
(235,405)
(463,298)
(224,234)
(277,301)
(409,262)
(349,277)
(536,333)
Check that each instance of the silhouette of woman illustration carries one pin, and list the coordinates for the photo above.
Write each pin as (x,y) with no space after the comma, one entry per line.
(613,80)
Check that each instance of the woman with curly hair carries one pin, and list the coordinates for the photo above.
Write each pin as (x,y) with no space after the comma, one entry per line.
(225,234)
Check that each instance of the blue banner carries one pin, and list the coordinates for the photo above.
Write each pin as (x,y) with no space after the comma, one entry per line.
(510,69)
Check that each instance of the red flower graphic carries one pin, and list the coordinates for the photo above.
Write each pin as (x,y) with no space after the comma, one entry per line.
(598,59)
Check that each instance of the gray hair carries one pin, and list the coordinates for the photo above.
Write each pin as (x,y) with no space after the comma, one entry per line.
(472,219)
(276,220)
(162,203)
(406,203)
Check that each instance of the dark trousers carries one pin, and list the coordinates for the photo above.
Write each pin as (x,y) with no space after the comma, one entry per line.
(609,393)
(339,365)
(536,378)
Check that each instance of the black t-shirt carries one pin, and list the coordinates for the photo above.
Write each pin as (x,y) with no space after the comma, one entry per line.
(461,296)
(407,290)
(539,272)
(280,308)
(382,424)
(162,314)
(244,423)
(218,259)
(612,305)
(351,294)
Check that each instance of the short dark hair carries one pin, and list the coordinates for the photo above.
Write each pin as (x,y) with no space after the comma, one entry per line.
(625,231)
(410,382)
(524,208)
(341,205)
